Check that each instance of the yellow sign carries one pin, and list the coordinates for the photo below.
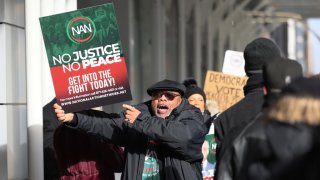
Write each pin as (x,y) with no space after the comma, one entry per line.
(225,89)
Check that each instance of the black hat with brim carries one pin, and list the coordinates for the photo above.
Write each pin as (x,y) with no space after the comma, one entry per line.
(168,85)
(303,87)
(278,74)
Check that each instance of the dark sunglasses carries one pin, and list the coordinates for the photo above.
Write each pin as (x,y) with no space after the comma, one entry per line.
(169,95)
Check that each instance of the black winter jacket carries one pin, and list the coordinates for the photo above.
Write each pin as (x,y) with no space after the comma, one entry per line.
(233,158)
(244,111)
(230,123)
(277,151)
(180,137)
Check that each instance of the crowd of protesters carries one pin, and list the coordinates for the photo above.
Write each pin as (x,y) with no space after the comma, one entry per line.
(272,133)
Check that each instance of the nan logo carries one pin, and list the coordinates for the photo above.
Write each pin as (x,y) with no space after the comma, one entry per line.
(81,29)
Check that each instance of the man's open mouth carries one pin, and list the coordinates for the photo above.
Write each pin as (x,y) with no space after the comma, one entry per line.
(162,108)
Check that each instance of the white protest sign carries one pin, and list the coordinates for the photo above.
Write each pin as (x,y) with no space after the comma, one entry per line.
(233,63)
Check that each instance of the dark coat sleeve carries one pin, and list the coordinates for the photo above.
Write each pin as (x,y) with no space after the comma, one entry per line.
(182,134)
(110,127)
(218,132)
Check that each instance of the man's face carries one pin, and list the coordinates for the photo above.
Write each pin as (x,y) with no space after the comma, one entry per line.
(163,102)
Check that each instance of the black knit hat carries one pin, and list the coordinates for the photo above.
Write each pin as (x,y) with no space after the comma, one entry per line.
(258,52)
(303,87)
(192,88)
(167,85)
(278,74)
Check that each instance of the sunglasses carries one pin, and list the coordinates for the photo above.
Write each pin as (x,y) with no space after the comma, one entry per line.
(169,95)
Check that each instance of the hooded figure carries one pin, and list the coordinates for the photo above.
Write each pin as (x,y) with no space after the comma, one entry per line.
(229,123)
(288,144)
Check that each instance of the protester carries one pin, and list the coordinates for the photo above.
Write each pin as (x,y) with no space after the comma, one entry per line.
(289,147)
(227,125)
(277,74)
(197,98)
(79,155)
(162,137)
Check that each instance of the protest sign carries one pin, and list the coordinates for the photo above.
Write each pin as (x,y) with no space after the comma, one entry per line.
(85,56)
(225,89)
(233,63)
(209,156)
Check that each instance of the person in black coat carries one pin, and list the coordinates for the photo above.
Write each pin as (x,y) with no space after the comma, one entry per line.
(230,122)
(277,74)
(197,97)
(162,137)
(287,144)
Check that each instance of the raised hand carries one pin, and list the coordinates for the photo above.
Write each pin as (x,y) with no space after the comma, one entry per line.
(131,113)
(63,117)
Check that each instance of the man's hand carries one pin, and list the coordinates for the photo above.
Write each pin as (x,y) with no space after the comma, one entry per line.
(131,113)
(64,118)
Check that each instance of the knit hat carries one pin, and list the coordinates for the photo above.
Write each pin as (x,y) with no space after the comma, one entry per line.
(278,74)
(303,87)
(257,53)
(167,85)
(192,88)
